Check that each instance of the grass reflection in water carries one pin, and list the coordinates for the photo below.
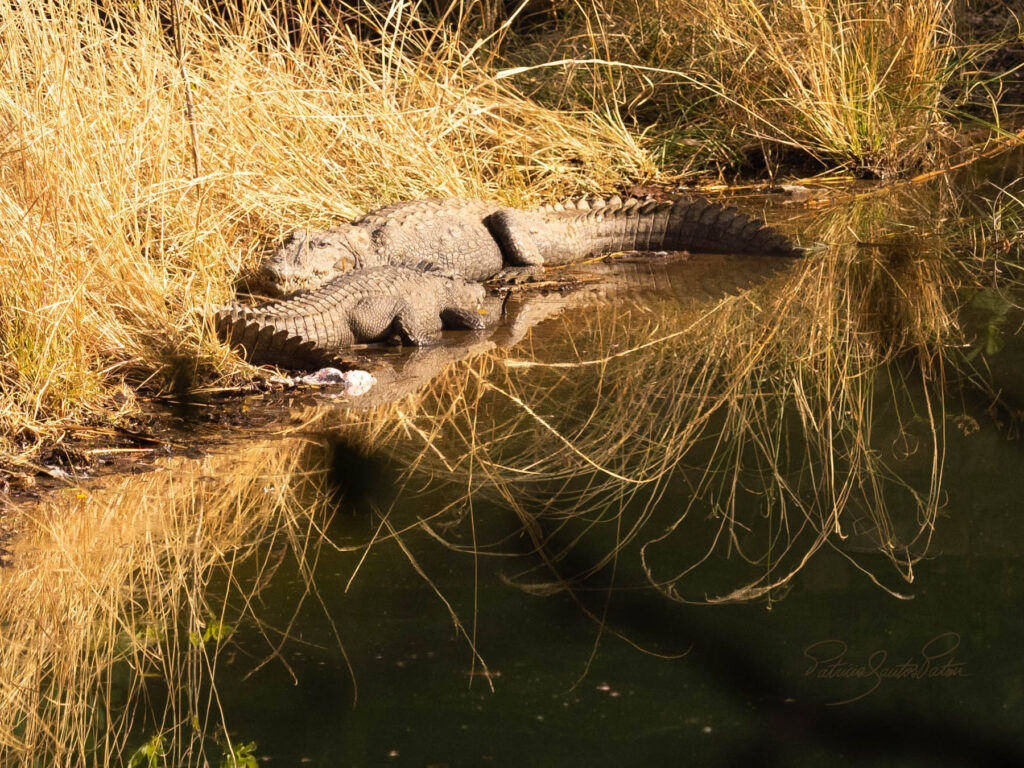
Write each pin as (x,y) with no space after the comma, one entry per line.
(782,417)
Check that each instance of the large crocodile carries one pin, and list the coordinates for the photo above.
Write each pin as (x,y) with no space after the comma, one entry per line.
(406,271)
(478,240)
(373,304)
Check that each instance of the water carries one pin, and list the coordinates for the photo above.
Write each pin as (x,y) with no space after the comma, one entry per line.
(753,680)
(630,529)
(833,670)
(608,671)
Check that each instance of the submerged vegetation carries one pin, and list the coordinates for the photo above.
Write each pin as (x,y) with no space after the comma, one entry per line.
(151,153)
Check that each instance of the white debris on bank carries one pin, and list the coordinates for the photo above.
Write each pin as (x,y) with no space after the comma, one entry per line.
(355,383)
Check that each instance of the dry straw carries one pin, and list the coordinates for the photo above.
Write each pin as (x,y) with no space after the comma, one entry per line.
(110,610)
(857,83)
(145,169)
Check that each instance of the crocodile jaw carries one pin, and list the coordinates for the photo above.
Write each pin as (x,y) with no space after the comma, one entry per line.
(307,260)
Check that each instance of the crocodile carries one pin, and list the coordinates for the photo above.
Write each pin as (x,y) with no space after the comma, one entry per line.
(478,240)
(684,281)
(369,305)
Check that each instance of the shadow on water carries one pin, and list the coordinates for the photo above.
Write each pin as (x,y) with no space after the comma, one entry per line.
(625,527)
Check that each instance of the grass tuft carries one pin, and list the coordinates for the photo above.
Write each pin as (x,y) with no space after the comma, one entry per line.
(856,84)
(112,240)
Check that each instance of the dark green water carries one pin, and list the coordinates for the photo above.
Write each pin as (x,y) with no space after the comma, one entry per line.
(755,685)
(831,668)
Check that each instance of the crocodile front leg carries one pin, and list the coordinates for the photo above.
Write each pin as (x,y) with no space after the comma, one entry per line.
(462,319)
(392,318)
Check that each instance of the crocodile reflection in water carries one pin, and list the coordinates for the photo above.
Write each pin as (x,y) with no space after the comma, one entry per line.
(684,280)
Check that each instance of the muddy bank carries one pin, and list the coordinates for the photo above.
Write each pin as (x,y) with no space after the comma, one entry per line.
(189,422)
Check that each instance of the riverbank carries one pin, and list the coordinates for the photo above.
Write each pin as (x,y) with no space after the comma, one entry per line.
(636,457)
(152,160)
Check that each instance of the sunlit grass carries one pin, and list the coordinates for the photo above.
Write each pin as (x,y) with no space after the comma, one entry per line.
(112,586)
(859,81)
(112,240)
(152,159)
(856,84)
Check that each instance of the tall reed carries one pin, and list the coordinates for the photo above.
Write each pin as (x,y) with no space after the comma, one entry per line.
(112,241)
(854,83)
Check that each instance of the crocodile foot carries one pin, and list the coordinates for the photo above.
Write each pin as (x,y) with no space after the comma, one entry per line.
(516,276)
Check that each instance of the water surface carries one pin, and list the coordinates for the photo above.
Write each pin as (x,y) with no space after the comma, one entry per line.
(687,521)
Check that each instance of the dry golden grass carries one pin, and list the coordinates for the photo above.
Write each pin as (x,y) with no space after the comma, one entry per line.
(112,241)
(859,81)
(856,83)
(111,586)
(151,153)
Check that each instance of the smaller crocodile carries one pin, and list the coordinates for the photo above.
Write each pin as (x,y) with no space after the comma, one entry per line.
(479,240)
(369,305)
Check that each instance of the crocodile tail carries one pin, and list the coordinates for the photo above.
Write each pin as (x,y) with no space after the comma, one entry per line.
(639,224)
(266,338)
